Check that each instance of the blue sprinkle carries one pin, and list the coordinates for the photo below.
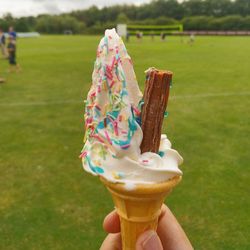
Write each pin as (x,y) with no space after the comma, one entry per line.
(132,125)
(123,144)
(161,153)
(124,92)
(99,170)
(101,125)
(95,169)
(166,114)
(138,120)
(113,114)
(124,84)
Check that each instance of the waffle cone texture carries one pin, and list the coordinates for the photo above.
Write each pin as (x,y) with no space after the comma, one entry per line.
(138,208)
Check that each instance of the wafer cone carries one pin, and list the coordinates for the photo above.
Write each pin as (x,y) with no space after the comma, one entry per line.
(138,208)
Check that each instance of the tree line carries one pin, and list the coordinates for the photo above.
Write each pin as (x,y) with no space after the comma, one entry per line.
(193,14)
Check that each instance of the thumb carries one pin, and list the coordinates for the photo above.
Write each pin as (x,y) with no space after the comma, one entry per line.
(149,240)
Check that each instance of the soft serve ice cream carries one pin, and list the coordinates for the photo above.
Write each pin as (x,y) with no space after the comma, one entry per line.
(112,123)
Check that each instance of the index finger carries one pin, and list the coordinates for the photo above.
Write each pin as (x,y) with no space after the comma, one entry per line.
(111,223)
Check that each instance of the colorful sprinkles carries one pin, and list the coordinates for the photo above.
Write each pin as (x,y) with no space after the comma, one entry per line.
(110,119)
(110,123)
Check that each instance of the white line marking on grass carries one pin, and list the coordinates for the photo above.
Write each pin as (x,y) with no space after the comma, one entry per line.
(46,103)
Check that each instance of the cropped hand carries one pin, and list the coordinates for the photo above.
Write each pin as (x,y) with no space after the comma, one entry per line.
(169,235)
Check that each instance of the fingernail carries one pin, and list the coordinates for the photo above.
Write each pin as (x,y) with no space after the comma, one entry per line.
(151,241)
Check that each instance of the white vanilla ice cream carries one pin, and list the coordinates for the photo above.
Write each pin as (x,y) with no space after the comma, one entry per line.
(112,123)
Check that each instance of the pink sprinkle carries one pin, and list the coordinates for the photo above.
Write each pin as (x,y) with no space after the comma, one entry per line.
(110,37)
(108,138)
(125,146)
(136,110)
(109,72)
(145,161)
(111,49)
(113,62)
(99,89)
(98,138)
(124,132)
(83,154)
(89,120)
(116,128)
(112,84)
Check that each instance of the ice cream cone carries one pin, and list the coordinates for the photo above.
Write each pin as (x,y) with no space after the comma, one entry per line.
(138,208)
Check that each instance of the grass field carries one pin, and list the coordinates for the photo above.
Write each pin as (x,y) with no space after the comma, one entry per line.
(48,202)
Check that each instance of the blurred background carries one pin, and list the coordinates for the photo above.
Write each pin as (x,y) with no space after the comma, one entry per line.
(47,55)
(82,17)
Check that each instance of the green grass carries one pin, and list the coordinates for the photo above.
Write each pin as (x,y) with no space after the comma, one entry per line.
(48,202)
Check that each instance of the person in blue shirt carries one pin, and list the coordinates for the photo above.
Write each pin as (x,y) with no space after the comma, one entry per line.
(12,32)
(3,44)
(12,55)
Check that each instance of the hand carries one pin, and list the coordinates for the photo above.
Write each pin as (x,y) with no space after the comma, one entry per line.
(169,236)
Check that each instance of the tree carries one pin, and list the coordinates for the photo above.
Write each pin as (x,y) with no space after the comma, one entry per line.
(58,24)
(242,7)
(22,25)
(194,8)
(218,8)
(122,18)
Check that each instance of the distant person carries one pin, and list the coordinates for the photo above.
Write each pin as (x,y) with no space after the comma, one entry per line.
(127,37)
(163,36)
(12,55)
(2,44)
(191,39)
(12,32)
(152,35)
(139,35)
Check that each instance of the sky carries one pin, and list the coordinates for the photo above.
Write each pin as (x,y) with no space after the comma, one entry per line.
(20,8)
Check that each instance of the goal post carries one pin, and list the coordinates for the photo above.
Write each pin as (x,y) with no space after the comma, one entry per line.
(155,29)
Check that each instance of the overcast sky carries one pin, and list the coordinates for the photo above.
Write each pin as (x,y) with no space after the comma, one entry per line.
(34,7)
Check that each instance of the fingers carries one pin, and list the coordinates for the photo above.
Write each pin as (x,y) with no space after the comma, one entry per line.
(111,223)
(171,233)
(112,242)
(149,240)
